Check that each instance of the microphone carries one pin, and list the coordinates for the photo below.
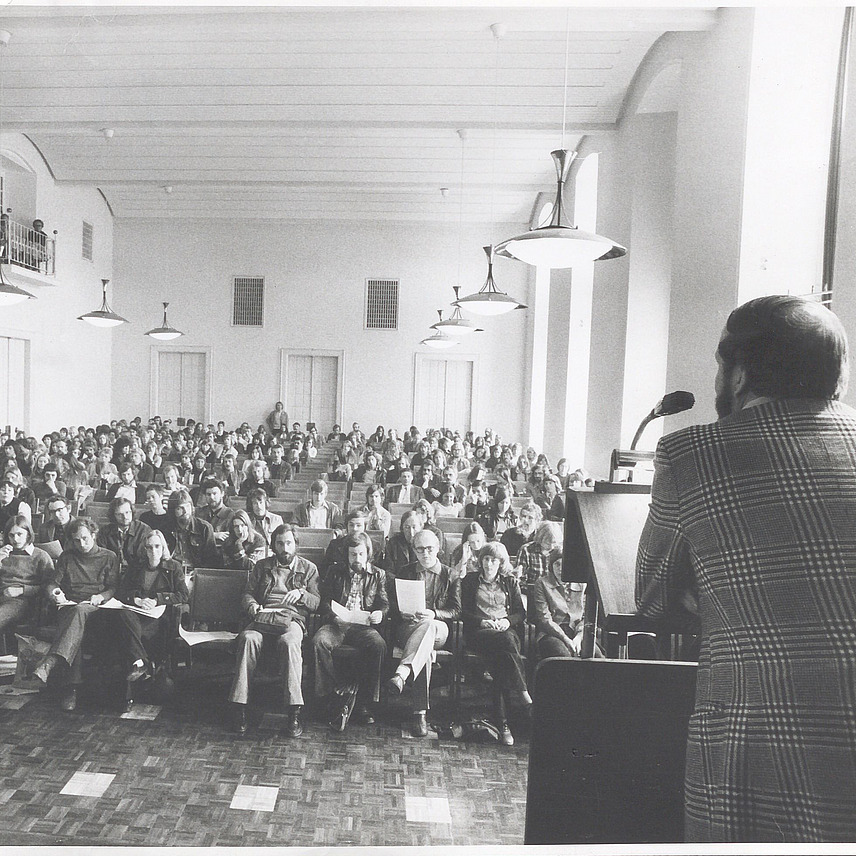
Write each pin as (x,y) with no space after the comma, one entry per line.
(668,405)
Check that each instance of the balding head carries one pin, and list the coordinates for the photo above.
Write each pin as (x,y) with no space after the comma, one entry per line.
(427,547)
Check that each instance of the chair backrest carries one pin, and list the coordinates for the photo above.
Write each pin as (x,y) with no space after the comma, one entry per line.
(452,525)
(453,541)
(314,539)
(217,595)
(378,542)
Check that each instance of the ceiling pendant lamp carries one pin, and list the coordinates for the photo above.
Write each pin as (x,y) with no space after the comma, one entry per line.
(489,300)
(105,316)
(439,339)
(164,332)
(559,244)
(456,325)
(11,294)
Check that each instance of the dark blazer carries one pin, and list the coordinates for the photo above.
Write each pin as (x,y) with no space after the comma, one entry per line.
(754,515)
(393,490)
(337,586)
(131,549)
(169,586)
(203,551)
(398,553)
(513,602)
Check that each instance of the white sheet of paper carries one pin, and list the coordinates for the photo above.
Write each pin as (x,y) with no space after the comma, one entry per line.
(195,637)
(411,595)
(358,616)
(113,603)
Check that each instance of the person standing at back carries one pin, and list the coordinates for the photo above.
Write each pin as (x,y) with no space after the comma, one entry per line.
(752,525)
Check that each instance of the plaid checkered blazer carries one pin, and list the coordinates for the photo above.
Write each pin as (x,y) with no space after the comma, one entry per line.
(755,515)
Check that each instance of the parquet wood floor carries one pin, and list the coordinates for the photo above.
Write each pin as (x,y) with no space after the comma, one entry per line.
(175,778)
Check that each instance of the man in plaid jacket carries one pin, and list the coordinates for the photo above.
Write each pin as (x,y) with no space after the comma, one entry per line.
(753,525)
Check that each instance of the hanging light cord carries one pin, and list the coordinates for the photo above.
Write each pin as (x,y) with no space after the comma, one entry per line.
(565,84)
(461,203)
(495,108)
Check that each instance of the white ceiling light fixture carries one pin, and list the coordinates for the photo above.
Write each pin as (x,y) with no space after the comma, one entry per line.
(456,325)
(11,294)
(439,339)
(165,331)
(104,316)
(559,244)
(489,300)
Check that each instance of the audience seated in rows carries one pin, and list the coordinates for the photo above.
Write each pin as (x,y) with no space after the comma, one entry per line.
(185,477)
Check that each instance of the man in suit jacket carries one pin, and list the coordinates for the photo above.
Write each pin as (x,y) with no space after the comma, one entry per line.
(752,525)
(405,490)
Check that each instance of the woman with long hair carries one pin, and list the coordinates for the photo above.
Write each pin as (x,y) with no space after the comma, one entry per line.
(244,546)
(492,610)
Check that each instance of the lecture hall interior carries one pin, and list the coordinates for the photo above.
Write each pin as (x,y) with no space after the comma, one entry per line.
(305,186)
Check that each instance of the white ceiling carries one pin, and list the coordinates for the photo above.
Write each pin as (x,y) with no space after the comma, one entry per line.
(323,113)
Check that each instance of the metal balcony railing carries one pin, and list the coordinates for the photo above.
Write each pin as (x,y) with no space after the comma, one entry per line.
(27,247)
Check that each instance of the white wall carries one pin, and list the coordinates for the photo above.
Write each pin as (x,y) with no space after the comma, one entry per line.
(70,361)
(315,291)
(711,136)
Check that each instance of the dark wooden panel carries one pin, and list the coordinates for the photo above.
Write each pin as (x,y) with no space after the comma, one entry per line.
(607,753)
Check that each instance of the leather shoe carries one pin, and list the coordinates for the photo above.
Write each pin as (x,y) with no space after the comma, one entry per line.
(128,706)
(395,684)
(239,718)
(295,726)
(68,702)
(505,736)
(138,672)
(419,727)
(364,715)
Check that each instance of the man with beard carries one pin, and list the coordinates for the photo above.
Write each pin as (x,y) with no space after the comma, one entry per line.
(751,525)
(282,591)
(355,585)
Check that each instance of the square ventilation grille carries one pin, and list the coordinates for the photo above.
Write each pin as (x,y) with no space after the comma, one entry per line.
(381,304)
(248,301)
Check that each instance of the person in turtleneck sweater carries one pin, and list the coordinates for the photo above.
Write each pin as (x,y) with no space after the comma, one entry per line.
(86,576)
(24,570)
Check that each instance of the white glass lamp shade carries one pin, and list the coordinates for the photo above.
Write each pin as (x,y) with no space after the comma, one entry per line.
(489,300)
(105,316)
(11,294)
(456,325)
(165,331)
(559,244)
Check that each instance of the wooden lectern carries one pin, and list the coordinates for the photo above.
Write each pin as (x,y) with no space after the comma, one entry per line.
(606,758)
(602,531)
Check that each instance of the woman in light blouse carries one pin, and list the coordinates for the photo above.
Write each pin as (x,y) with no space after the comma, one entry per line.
(558,612)
(493,611)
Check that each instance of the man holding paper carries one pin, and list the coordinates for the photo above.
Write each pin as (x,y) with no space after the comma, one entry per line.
(426,598)
(353,603)
(282,591)
(86,576)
